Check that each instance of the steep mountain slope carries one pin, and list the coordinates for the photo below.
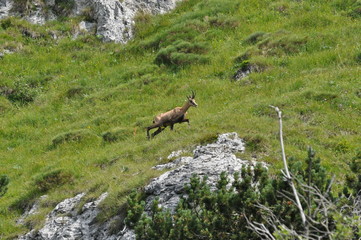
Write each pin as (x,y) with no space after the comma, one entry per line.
(73,111)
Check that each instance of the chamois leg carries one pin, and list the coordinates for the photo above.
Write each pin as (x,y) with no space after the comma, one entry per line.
(186,120)
(160,129)
(171,127)
(155,125)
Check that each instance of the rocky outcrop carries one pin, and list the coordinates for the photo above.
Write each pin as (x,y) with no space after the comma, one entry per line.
(67,222)
(209,160)
(64,222)
(113,19)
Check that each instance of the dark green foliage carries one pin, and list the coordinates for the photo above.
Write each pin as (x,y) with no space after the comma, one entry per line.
(182,53)
(355,10)
(72,136)
(136,208)
(354,180)
(358,58)
(88,14)
(22,92)
(21,6)
(223,213)
(63,7)
(351,7)
(4,181)
(5,23)
(52,179)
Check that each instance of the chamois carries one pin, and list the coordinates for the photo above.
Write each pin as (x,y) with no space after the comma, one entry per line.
(176,115)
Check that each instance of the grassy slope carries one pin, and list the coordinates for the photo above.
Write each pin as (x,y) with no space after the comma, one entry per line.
(96,87)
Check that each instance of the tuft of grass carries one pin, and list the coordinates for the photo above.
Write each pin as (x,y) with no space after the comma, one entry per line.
(182,53)
(117,134)
(4,181)
(52,179)
(254,37)
(5,105)
(72,136)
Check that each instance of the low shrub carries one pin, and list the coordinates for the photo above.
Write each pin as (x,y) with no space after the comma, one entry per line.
(88,14)
(354,10)
(63,7)
(354,179)
(358,58)
(4,181)
(6,23)
(254,197)
(23,92)
(52,179)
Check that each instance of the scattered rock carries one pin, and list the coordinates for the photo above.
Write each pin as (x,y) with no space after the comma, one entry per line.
(87,26)
(31,211)
(4,52)
(247,69)
(175,154)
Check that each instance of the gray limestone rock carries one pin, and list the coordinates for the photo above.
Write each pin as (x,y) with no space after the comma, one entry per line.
(209,160)
(64,222)
(5,7)
(113,19)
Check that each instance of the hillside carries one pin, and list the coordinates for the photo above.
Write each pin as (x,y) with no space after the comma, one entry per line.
(73,112)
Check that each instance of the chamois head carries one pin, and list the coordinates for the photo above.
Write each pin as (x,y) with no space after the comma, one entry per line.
(191,100)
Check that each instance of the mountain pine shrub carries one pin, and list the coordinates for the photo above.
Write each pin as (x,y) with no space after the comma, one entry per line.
(254,196)
(4,181)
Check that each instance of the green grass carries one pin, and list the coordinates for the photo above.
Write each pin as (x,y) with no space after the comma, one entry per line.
(75,92)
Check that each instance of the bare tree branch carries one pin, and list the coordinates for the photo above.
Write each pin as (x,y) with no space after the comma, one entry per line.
(287,173)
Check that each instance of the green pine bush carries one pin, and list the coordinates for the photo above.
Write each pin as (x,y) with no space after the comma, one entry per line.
(225,213)
(4,181)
